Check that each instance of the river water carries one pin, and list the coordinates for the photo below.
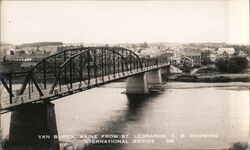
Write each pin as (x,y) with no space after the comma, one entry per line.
(184,115)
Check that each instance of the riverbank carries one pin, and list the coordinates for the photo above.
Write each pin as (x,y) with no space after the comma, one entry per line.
(197,85)
(189,85)
(211,78)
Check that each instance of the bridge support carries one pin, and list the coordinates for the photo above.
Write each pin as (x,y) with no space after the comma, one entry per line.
(137,84)
(154,77)
(33,126)
(166,70)
(143,83)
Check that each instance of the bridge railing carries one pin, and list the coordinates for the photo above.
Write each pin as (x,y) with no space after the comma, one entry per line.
(147,62)
(10,85)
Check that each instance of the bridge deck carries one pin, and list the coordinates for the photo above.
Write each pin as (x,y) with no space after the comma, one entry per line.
(66,90)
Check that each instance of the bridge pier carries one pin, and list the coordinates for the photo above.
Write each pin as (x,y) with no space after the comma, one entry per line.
(140,84)
(165,72)
(154,77)
(137,84)
(33,126)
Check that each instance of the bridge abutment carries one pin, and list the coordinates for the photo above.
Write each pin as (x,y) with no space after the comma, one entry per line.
(166,70)
(33,126)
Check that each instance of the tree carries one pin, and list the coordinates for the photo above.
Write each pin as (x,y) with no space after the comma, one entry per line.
(233,65)
(205,57)
(241,61)
(144,45)
(221,65)
(4,60)
(185,68)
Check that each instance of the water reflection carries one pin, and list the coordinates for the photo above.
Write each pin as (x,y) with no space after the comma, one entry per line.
(137,105)
(135,110)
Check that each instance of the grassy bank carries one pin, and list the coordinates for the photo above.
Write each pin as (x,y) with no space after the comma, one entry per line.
(213,78)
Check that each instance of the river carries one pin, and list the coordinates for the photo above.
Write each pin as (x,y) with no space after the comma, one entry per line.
(184,115)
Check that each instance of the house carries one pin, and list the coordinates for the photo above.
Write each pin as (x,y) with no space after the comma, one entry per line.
(168,53)
(27,65)
(186,62)
(5,49)
(212,57)
(225,52)
(207,49)
(173,62)
(195,56)
(149,52)
(35,57)
(242,54)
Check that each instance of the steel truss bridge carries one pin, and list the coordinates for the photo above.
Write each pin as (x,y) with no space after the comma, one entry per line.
(70,71)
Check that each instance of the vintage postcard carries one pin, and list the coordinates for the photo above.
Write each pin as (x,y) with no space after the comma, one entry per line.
(124,75)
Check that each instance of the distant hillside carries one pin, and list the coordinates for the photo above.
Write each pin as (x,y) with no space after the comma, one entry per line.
(36,44)
(5,44)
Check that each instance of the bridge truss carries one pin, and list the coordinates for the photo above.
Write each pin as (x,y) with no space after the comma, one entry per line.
(72,70)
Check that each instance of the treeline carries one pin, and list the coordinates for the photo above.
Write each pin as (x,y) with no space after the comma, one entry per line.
(232,65)
(36,44)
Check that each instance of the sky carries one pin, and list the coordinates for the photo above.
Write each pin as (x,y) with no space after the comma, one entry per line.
(179,21)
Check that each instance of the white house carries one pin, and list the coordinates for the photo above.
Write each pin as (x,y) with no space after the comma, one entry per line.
(149,52)
(225,52)
(213,57)
(242,54)
(207,49)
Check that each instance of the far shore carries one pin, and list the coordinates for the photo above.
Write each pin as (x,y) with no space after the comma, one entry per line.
(211,78)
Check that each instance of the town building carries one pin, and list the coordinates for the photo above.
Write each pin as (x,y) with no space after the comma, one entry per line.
(186,62)
(149,52)
(168,53)
(22,58)
(242,54)
(207,49)
(173,62)
(225,52)
(195,55)
(212,57)
(27,65)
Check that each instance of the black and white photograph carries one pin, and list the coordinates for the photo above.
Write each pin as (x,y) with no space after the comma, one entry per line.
(124,75)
